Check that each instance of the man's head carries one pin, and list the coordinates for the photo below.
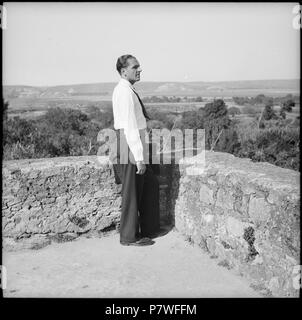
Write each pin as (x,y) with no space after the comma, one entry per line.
(129,68)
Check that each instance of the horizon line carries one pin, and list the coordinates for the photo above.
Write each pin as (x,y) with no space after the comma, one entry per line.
(154,81)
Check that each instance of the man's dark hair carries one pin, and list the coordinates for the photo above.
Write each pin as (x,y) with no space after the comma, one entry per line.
(122,62)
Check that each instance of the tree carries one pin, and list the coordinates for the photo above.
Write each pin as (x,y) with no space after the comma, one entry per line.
(259,99)
(215,119)
(66,119)
(191,120)
(5,105)
(240,100)
(282,113)
(268,101)
(233,110)
(288,105)
(269,112)
(228,141)
(279,146)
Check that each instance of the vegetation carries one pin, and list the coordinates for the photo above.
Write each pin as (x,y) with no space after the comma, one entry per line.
(163,99)
(269,113)
(219,129)
(260,134)
(233,111)
(279,146)
(261,99)
(60,132)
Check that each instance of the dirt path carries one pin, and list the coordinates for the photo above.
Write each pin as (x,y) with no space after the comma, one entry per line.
(101,267)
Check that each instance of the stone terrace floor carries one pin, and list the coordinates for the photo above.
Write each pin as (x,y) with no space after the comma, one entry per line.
(101,267)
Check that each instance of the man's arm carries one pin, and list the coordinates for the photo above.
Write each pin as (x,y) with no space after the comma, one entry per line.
(132,132)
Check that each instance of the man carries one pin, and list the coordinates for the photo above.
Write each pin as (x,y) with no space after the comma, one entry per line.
(140,188)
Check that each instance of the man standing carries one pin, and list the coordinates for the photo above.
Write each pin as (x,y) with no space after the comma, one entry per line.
(140,188)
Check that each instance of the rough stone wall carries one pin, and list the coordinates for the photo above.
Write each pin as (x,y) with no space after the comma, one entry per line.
(245,214)
(58,199)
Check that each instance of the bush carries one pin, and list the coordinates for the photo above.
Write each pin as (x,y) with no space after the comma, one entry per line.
(288,105)
(233,111)
(279,146)
(66,119)
(228,141)
(155,124)
(163,99)
(261,99)
(104,117)
(215,120)
(250,110)
(241,100)
(166,119)
(18,130)
(269,113)
(70,132)
(191,120)
(60,132)
(282,113)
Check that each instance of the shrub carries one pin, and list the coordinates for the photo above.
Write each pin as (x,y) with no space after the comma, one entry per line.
(279,146)
(163,117)
(102,116)
(228,141)
(233,110)
(288,105)
(60,132)
(269,113)
(191,120)
(250,110)
(215,120)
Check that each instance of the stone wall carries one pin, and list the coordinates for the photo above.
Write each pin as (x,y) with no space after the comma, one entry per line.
(246,215)
(59,199)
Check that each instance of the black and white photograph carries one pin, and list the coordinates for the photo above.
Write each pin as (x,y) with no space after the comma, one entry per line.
(151,150)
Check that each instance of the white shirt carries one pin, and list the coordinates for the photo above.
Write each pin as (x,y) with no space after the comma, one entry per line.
(128,115)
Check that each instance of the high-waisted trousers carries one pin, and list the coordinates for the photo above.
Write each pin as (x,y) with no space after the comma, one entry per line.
(140,215)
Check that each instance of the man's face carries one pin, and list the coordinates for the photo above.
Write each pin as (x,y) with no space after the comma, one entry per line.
(132,72)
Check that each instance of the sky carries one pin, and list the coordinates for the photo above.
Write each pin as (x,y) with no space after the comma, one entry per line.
(53,43)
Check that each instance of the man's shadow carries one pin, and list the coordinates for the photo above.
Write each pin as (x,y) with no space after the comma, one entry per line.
(168,176)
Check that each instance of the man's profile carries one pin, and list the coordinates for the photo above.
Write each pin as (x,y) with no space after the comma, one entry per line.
(140,188)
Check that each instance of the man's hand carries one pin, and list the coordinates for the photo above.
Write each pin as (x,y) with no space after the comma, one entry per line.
(141,167)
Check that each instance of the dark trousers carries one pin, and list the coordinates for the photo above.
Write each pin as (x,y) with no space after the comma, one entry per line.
(140,200)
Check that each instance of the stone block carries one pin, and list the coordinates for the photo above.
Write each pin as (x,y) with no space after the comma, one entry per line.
(235,227)
(211,245)
(208,218)
(274,286)
(224,199)
(248,188)
(274,196)
(259,210)
(206,194)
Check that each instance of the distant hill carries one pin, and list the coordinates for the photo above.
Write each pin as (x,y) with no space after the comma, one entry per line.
(223,88)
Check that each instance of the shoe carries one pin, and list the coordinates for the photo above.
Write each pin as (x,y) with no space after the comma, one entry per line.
(141,242)
(161,232)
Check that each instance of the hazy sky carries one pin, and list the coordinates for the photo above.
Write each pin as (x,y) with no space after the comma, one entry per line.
(67,43)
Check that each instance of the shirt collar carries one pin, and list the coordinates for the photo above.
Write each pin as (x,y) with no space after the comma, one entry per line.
(126,83)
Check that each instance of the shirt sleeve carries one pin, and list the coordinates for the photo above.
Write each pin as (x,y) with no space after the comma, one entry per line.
(131,128)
